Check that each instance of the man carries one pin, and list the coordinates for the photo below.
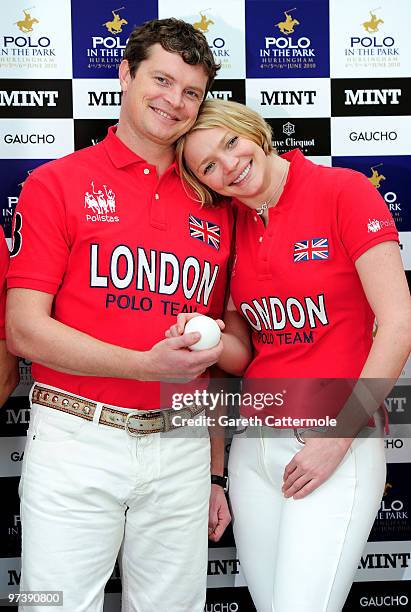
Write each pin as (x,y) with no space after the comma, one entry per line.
(9,376)
(101,289)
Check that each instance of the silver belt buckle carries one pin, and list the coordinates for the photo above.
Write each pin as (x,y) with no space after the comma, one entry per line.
(138,434)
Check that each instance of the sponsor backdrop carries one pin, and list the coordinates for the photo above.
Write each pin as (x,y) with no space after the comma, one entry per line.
(331,77)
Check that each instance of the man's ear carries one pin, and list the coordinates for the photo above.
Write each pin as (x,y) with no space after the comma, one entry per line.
(124,75)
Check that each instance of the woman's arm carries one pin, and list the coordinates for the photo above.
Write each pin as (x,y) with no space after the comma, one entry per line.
(385,286)
(237,352)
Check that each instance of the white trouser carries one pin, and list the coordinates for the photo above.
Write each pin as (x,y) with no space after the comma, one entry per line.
(301,555)
(87,490)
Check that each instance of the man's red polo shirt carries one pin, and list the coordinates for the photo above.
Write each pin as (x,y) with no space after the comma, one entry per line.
(122,251)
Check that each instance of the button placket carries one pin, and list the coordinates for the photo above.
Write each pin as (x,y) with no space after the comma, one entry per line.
(158,216)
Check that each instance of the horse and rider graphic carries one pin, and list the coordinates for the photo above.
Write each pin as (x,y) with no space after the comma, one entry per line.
(26,24)
(203,24)
(287,26)
(373,23)
(100,203)
(376,178)
(115,26)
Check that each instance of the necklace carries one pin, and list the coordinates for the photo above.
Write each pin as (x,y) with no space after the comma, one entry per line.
(264,206)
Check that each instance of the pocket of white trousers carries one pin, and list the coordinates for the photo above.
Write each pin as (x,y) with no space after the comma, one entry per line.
(54,426)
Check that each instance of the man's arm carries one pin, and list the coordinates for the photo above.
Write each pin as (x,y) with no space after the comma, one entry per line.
(9,373)
(42,339)
(219,514)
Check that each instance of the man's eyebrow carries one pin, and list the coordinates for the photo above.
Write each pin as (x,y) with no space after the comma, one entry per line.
(203,161)
(200,90)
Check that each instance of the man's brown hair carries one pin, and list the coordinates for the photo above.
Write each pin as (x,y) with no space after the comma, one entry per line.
(175,36)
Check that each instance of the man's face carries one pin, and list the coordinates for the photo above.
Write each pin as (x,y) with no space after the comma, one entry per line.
(161,102)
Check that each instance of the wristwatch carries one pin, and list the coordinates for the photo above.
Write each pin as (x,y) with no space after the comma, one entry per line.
(221,481)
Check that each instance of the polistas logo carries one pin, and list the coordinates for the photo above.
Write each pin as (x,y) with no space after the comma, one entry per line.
(373,23)
(100,203)
(26,24)
(203,24)
(376,178)
(373,225)
(115,26)
(287,26)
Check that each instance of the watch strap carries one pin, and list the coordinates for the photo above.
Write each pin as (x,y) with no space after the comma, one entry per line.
(221,481)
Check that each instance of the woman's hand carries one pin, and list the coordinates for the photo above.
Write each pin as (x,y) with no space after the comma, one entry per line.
(312,465)
(182,319)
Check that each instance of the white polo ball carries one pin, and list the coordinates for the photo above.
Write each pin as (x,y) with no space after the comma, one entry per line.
(209,330)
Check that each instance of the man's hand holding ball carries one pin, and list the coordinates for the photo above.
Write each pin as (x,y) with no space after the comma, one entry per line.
(209,329)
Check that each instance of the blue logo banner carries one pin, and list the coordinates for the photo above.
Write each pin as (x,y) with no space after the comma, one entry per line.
(391,175)
(100,32)
(287,42)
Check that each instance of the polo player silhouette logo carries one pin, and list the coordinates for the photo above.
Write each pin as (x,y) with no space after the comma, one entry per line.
(287,26)
(26,24)
(376,178)
(203,24)
(115,26)
(372,25)
(387,487)
(100,203)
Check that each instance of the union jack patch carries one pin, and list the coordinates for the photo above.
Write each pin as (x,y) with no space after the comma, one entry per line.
(206,231)
(313,249)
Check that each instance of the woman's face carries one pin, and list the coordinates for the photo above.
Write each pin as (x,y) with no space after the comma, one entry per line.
(227,163)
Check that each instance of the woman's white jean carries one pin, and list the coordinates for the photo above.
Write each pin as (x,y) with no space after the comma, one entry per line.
(301,555)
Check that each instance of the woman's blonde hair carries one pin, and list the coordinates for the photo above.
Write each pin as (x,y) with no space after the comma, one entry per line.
(221,114)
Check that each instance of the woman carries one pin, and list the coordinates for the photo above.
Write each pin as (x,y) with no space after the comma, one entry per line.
(316,260)
(9,376)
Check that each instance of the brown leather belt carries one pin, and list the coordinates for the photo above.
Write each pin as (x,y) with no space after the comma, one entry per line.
(138,423)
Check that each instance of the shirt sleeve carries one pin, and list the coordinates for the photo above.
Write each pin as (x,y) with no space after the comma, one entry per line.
(363,217)
(4,264)
(40,239)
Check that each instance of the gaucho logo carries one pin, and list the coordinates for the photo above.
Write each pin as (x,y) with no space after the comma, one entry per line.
(384,601)
(369,136)
(291,41)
